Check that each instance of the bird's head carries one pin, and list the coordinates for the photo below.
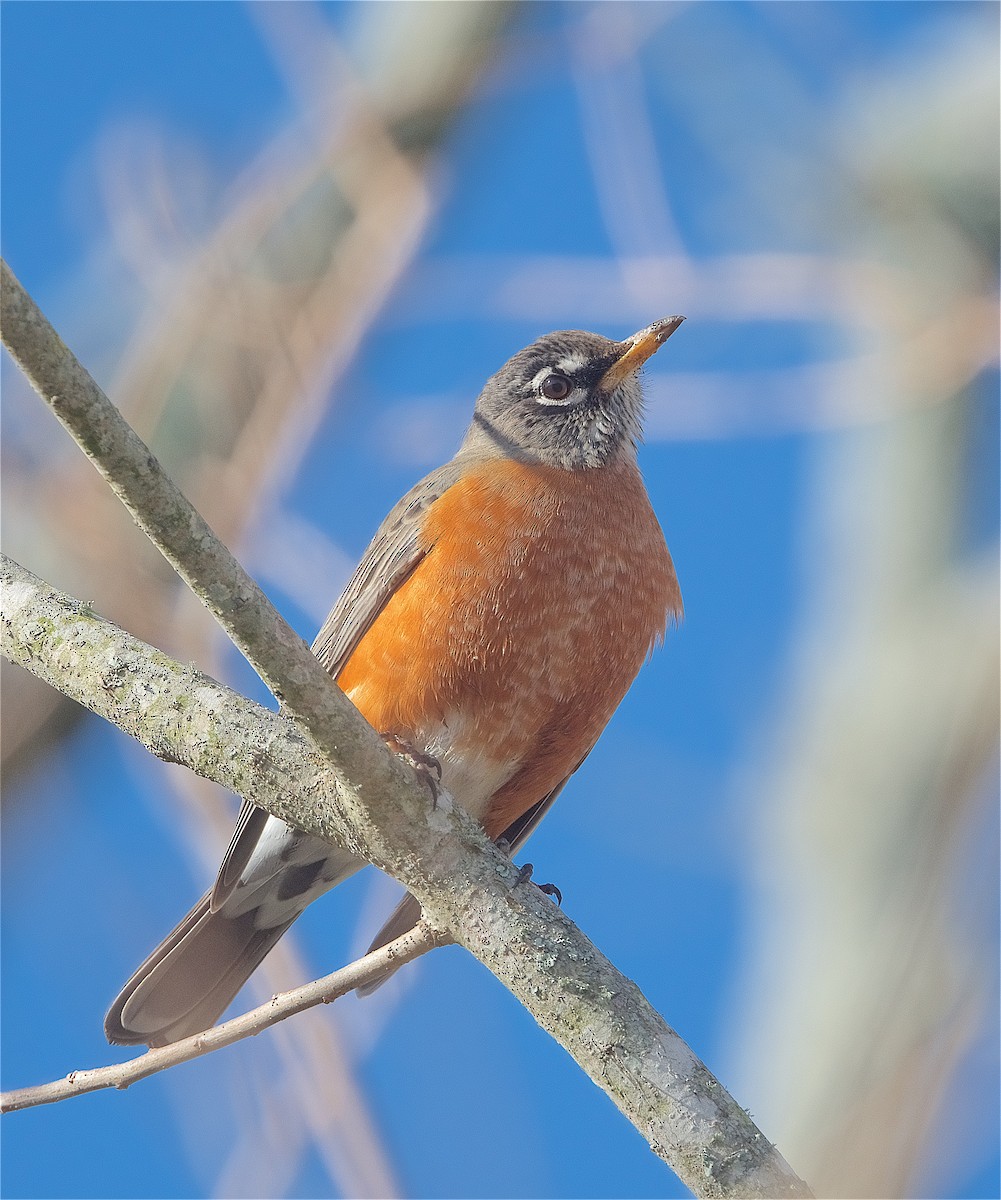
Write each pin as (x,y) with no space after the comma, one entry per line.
(570,399)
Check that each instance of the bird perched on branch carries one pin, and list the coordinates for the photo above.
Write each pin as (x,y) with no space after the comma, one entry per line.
(492,627)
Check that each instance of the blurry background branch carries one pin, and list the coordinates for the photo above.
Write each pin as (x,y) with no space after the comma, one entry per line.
(876,852)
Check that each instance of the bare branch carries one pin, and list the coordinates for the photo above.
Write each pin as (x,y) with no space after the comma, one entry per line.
(418,941)
(178,713)
(349,789)
(158,507)
(573,991)
(280,657)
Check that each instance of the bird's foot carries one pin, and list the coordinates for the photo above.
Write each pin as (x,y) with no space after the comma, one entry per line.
(426,765)
(547,889)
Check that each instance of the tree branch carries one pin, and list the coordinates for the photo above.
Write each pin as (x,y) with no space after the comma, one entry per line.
(331,987)
(355,793)
(178,713)
(276,652)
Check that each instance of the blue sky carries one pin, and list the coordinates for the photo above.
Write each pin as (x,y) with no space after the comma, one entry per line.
(647,844)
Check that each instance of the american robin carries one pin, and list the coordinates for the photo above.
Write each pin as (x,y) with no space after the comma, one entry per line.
(493,626)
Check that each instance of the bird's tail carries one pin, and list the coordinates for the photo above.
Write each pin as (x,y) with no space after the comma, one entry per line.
(191,977)
(403,918)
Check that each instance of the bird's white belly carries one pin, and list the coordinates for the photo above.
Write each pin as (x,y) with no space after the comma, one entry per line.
(469,772)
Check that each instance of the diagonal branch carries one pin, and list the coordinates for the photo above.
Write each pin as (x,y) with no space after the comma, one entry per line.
(321,991)
(280,657)
(350,790)
(182,715)
(178,713)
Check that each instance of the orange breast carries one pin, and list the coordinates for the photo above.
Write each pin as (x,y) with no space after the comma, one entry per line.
(539,597)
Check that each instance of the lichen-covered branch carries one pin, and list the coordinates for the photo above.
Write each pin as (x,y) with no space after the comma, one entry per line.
(573,991)
(276,652)
(178,713)
(341,783)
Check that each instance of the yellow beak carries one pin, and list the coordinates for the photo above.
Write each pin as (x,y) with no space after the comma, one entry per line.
(638,349)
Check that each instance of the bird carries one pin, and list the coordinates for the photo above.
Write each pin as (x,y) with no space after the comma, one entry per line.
(491,628)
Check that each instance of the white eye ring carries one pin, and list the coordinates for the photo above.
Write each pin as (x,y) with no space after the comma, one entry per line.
(553,387)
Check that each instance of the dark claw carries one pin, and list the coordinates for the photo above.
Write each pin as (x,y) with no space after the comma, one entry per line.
(426,765)
(547,889)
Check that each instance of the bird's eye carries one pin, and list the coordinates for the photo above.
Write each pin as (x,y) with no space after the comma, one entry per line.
(555,387)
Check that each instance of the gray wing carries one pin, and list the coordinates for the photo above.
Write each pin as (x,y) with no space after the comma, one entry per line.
(391,557)
(385,566)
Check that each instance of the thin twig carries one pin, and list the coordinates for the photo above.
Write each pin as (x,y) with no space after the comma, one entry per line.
(418,941)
